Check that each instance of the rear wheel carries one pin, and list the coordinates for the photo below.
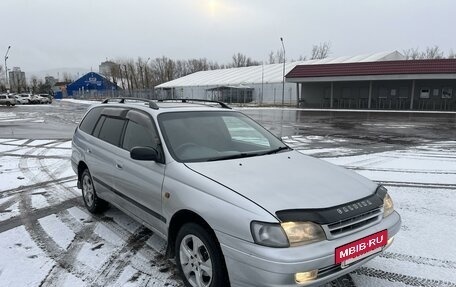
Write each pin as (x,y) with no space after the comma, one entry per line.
(199,258)
(93,203)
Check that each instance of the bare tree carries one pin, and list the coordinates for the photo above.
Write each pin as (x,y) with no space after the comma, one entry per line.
(241,60)
(451,55)
(412,54)
(2,79)
(321,51)
(115,74)
(432,53)
(67,77)
(163,70)
(275,58)
(34,84)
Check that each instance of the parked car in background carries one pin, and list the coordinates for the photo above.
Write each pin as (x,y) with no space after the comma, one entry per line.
(21,100)
(47,96)
(236,205)
(27,98)
(35,99)
(8,100)
(44,100)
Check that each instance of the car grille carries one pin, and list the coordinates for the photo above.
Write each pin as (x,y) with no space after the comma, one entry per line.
(353,224)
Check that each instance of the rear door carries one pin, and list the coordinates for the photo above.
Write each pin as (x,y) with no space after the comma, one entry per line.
(102,146)
(140,182)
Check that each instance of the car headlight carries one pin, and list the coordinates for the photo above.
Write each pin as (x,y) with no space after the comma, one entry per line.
(388,206)
(300,233)
(269,234)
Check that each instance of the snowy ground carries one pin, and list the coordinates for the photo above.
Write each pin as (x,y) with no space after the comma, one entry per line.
(46,232)
(47,238)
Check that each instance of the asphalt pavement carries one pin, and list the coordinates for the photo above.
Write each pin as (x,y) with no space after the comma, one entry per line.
(45,230)
(371,131)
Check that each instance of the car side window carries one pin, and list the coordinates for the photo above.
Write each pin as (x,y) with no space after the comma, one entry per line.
(97,129)
(88,123)
(138,135)
(111,130)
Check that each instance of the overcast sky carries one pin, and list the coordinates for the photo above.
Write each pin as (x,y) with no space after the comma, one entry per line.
(47,34)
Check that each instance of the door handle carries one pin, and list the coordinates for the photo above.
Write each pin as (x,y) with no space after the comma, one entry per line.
(89,150)
(118,166)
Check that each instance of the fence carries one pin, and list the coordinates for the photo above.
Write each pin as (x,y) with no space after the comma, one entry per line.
(99,95)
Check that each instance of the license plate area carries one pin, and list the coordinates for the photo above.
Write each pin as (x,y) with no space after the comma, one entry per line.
(361,248)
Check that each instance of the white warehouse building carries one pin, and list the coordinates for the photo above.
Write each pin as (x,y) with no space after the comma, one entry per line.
(255,84)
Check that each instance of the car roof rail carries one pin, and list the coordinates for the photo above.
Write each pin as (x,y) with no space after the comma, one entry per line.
(121,100)
(222,104)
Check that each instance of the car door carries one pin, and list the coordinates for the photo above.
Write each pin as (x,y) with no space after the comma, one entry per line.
(102,146)
(140,182)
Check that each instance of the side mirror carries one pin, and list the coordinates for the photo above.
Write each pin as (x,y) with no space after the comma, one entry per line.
(144,153)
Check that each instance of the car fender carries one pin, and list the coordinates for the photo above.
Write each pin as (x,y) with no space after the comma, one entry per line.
(222,208)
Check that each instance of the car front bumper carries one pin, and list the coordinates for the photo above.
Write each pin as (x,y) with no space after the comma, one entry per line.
(250,264)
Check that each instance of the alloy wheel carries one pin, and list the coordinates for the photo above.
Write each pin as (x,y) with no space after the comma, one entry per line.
(195,261)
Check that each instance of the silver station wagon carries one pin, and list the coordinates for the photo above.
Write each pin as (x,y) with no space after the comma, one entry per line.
(236,206)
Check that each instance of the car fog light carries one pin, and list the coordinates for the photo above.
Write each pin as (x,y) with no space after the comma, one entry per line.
(390,241)
(303,277)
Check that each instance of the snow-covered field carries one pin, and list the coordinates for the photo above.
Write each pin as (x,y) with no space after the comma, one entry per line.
(47,238)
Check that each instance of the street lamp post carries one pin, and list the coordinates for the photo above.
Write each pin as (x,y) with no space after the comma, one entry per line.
(6,69)
(283,73)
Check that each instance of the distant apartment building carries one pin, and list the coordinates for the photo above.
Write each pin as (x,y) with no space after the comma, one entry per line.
(17,80)
(106,68)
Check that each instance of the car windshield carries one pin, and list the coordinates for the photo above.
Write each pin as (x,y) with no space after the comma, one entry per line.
(211,136)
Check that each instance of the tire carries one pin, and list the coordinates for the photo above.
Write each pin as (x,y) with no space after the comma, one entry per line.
(8,104)
(93,203)
(207,253)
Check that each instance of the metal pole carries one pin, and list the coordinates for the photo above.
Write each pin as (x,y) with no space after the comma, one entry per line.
(6,69)
(283,73)
(369,101)
(262,83)
(412,95)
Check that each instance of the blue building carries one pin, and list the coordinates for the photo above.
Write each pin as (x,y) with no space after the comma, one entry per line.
(90,83)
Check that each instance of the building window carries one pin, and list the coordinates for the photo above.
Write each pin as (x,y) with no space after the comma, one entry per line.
(447,93)
(424,93)
(393,92)
(435,92)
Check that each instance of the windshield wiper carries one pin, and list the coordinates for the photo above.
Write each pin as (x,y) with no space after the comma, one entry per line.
(234,156)
(250,154)
(276,150)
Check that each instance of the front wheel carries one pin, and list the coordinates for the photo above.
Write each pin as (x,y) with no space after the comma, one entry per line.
(93,203)
(199,258)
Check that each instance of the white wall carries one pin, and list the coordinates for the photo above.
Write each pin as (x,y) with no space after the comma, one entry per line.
(272,93)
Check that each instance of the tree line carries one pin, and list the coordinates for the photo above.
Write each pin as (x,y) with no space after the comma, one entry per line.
(140,73)
(145,74)
(433,52)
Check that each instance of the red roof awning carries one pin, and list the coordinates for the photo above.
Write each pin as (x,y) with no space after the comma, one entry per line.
(435,66)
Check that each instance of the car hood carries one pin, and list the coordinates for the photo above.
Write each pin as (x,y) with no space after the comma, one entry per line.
(287,180)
